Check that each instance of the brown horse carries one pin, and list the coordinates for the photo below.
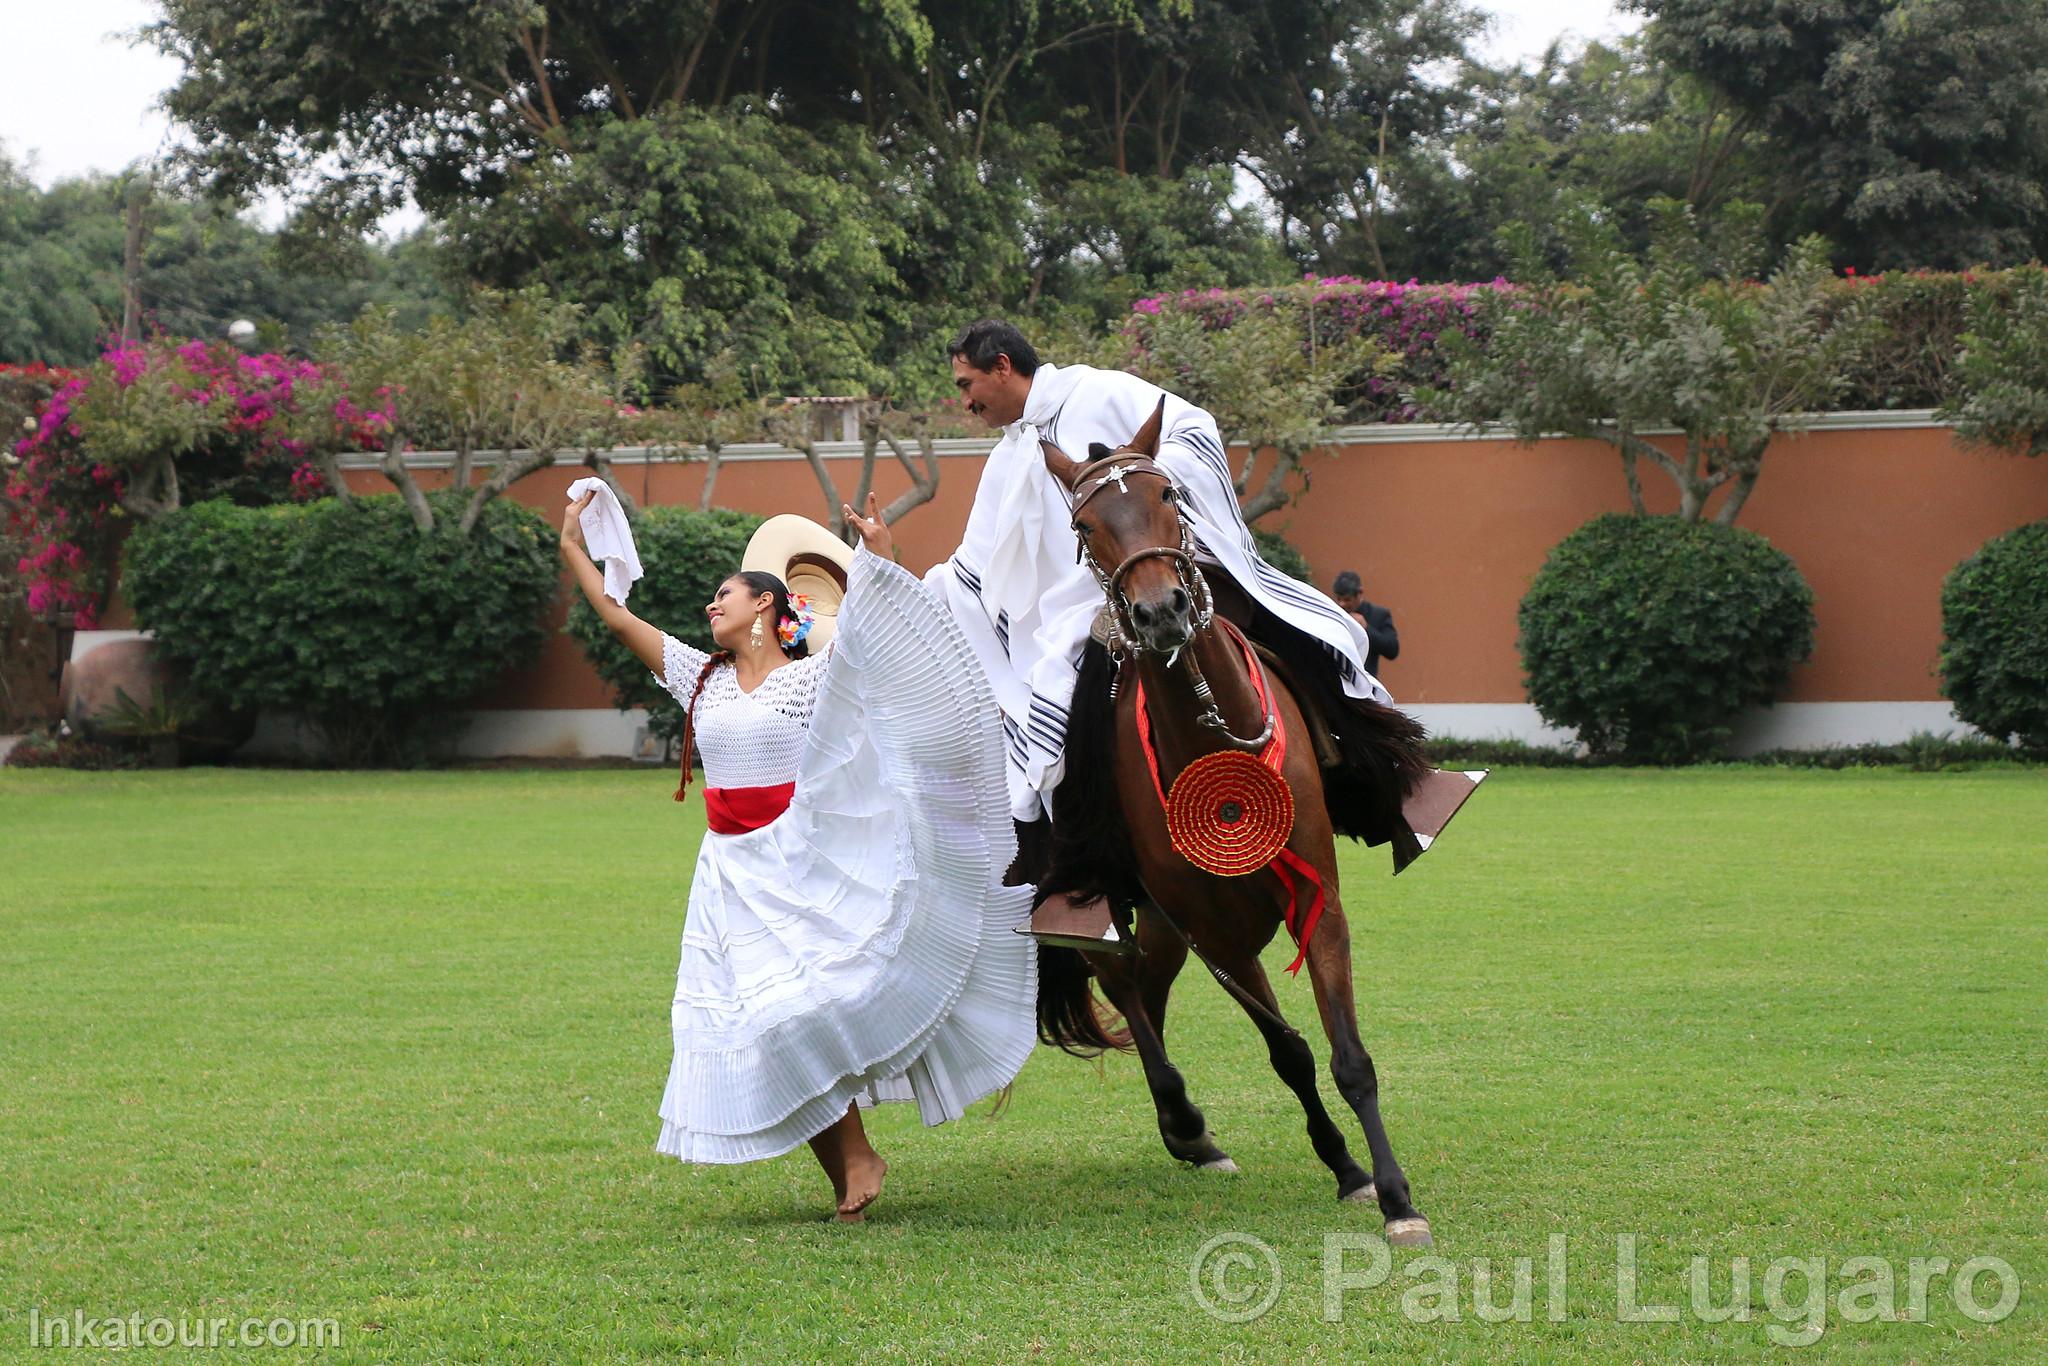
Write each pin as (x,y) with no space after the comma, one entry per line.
(1201,698)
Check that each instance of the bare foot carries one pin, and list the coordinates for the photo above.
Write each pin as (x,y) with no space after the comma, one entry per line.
(864,1173)
(826,1148)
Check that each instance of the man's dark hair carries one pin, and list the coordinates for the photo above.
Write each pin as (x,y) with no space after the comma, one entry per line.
(980,343)
(1347,583)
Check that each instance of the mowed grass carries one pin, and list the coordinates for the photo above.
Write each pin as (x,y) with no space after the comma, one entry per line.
(387,1049)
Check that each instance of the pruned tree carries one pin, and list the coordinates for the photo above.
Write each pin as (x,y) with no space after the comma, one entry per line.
(1683,341)
(2001,372)
(1270,385)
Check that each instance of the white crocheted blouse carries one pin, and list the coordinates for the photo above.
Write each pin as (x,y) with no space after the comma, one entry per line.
(747,739)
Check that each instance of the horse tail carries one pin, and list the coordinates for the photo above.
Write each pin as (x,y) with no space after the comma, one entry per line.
(1070,1016)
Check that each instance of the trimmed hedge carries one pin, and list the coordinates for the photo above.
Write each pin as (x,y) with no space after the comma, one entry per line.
(686,554)
(346,612)
(1649,635)
(1994,621)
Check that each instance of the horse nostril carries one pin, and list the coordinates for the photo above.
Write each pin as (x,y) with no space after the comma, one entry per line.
(1141,614)
(1181,601)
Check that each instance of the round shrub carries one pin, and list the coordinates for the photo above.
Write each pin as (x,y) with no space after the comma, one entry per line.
(1649,635)
(1994,622)
(346,612)
(685,554)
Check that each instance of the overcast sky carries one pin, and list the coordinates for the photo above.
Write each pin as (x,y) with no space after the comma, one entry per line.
(78,97)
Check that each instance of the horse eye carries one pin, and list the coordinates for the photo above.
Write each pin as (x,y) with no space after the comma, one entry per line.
(1167,496)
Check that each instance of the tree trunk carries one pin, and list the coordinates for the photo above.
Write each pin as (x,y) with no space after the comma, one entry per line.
(131,262)
(833,517)
(870,440)
(601,465)
(1635,482)
(330,470)
(395,470)
(508,473)
(924,485)
(465,447)
(712,447)
(1272,495)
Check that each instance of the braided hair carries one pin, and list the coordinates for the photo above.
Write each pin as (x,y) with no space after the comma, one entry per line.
(757,582)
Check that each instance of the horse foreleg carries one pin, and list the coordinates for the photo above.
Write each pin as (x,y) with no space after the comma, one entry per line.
(1137,987)
(1329,964)
(1295,1064)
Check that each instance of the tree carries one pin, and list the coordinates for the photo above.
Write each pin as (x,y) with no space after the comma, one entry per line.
(1607,126)
(1684,340)
(2001,397)
(200,267)
(1262,377)
(1909,132)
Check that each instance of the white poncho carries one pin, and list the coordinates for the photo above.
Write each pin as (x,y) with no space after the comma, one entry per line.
(1025,604)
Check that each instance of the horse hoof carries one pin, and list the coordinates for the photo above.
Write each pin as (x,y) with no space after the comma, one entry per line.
(1367,1194)
(1410,1232)
(1221,1164)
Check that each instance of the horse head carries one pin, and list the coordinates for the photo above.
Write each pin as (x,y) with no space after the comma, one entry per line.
(1127,514)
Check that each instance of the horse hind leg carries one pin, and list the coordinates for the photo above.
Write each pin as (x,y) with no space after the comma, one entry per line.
(1295,1064)
(1351,1067)
(1137,987)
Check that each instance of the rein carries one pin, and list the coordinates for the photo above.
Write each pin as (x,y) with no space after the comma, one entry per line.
(1268,747)
(1123,642)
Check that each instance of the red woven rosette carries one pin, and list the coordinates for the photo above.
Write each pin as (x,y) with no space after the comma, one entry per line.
(1229,814)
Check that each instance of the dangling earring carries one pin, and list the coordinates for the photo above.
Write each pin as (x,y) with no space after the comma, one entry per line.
(754,637)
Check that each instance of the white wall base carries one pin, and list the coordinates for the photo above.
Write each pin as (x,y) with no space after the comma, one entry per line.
(593,733)
(1789,725)
(562,733)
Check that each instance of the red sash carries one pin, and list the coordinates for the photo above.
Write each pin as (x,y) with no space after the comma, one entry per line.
(736,810)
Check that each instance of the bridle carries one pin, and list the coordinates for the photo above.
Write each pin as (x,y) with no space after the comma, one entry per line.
(1124,640)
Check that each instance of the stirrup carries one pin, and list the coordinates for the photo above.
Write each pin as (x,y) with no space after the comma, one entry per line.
(1090,926)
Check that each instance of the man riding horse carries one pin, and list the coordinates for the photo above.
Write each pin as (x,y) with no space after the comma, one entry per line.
(1028,605)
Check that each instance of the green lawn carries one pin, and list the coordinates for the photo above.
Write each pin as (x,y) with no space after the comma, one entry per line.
(386,1049)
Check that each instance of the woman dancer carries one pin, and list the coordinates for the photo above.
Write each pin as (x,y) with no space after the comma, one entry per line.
(848,938)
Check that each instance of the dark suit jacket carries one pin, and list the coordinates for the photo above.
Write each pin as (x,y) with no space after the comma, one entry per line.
(1384,642)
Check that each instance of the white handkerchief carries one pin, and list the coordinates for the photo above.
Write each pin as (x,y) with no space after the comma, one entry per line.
(608,537)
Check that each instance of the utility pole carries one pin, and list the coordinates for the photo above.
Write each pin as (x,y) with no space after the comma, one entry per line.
(139,191)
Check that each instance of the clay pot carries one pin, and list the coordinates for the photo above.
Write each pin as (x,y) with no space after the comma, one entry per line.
(91,698)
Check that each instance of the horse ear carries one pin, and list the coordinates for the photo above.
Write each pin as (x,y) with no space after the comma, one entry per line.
(1146,442)
(1056,460)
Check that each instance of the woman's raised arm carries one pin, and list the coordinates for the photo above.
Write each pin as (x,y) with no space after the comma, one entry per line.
(643,640)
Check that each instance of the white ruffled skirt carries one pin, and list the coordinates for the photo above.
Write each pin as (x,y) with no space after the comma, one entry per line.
(860,947)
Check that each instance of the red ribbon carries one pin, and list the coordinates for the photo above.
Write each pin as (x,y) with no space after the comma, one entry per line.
(736,810)
(1286,864)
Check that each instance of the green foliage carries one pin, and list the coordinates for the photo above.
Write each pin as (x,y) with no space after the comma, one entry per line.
(1684,339)
(686,554)
(1994,654)
(1261,376)
(1649,635)
(1606,126)
(344,611)
(2001,397)
(701,235)
(1906,133)
(201,268)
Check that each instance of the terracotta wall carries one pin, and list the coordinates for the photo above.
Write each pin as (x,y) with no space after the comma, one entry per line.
(1449,532)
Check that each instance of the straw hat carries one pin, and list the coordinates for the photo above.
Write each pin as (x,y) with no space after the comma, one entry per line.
(811,560)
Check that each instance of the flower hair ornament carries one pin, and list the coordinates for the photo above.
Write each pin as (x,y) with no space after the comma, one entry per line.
(792,629)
